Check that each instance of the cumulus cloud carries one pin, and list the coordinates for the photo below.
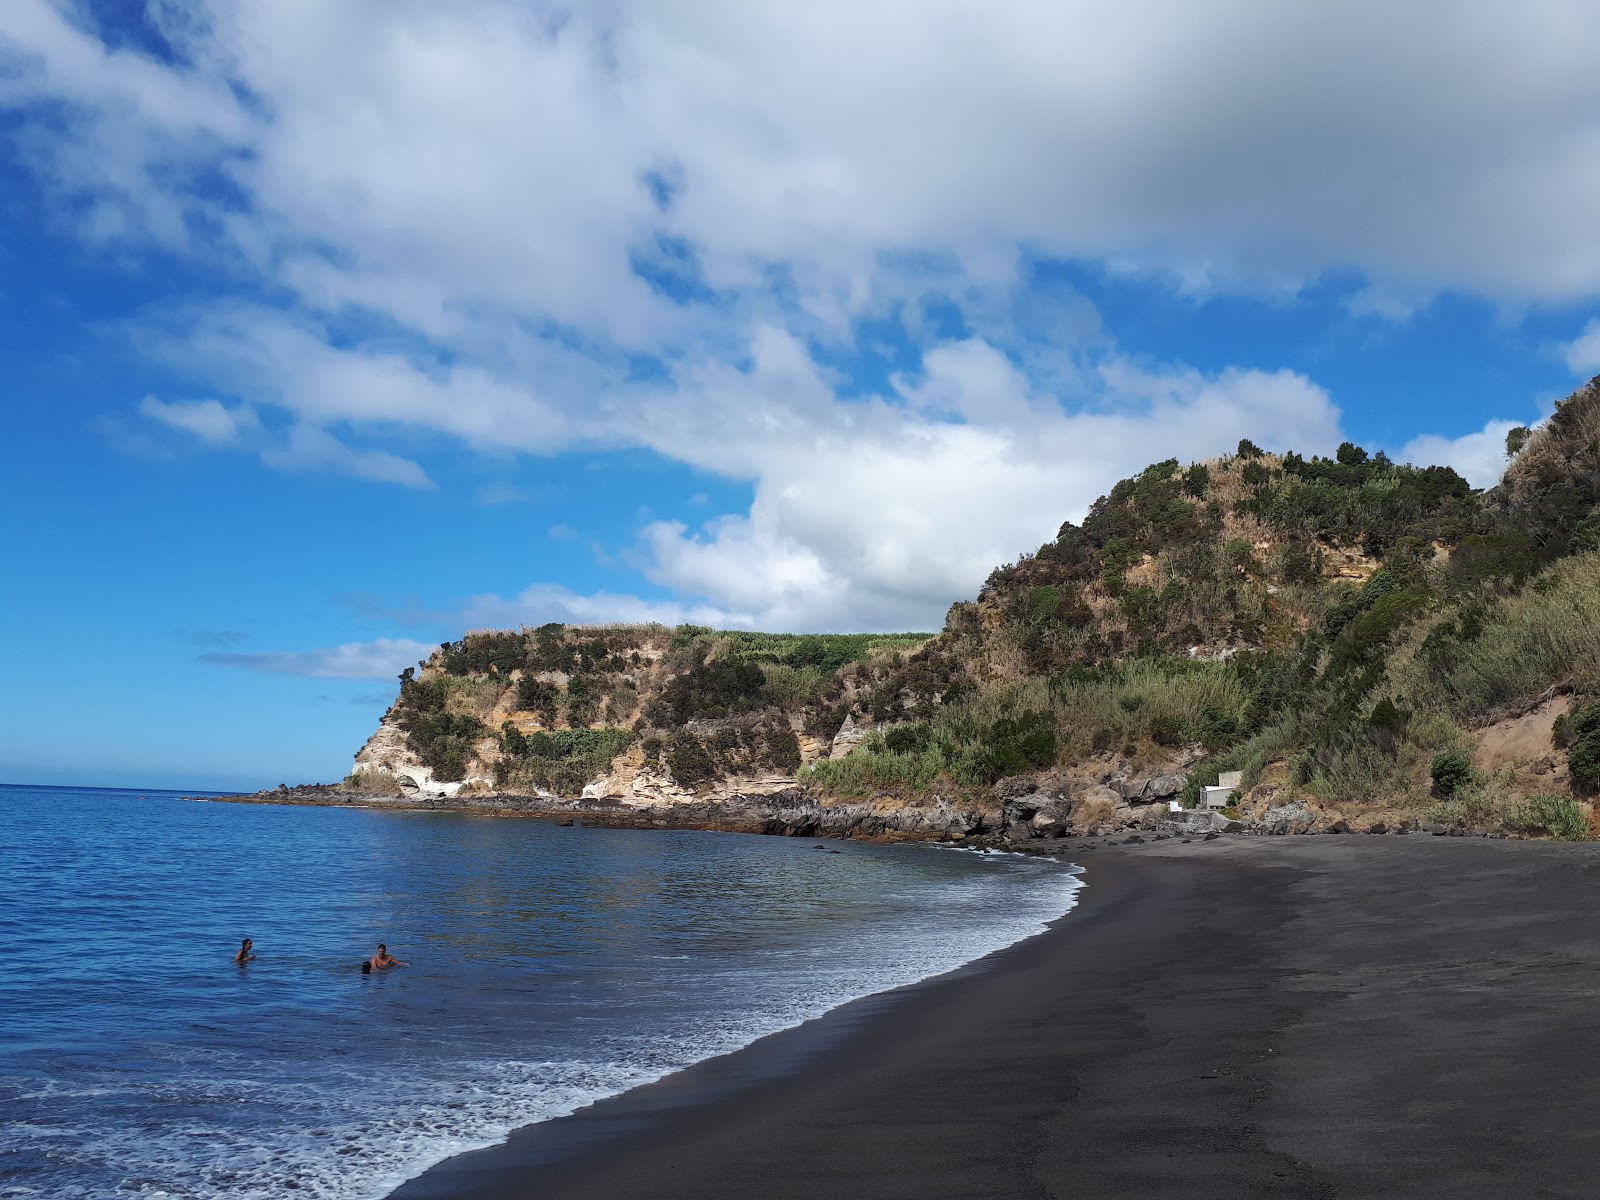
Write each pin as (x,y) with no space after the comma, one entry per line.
(1479,457)
(877,513)
(475,222)
(382,658)
(404,157)
(1583,352)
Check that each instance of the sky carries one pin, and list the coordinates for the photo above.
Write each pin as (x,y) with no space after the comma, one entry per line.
(332,331)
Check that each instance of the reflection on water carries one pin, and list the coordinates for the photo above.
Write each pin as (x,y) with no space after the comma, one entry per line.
(550,966)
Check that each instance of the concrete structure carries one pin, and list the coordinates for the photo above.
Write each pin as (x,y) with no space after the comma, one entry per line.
(1217,797)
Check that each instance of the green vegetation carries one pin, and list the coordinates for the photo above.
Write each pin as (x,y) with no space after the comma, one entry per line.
(1334,624)
(735,747)
(1452,771)
(442,738)
(826,652)
(1559,816)
(1583,752)
(562,761)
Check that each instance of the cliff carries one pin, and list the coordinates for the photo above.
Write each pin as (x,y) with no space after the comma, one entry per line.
(1362,640)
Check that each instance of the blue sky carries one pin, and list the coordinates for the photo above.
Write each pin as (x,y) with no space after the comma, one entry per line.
(334,331)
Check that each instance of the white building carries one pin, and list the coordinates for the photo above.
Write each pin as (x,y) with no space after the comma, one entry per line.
(1217,797)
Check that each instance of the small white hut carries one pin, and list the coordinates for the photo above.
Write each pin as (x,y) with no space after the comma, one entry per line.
(1217,797)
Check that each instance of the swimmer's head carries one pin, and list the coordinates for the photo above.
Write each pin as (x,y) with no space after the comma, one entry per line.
(247,944)
(382,949)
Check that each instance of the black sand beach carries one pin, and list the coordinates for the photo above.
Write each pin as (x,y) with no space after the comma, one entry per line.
(1305,1016)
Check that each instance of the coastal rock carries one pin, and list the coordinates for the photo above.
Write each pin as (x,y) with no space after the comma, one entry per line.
(1048,824)
(850,736)
(1149,789)
(1288,818)
(387,764)
(1194,821)
(1014,787)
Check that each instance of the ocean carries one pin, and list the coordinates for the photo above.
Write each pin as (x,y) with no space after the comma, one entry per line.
(548,967)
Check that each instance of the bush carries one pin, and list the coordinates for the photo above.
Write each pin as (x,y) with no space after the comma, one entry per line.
(1556,815)
(1452,771)
(689,761)
(907,739)
(1583,762)
(719,688)
(536,696)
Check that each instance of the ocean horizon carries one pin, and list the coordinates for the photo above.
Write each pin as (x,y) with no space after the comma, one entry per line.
(548,967)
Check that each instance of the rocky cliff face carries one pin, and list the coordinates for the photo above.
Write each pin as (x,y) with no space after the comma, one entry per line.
(1314,624)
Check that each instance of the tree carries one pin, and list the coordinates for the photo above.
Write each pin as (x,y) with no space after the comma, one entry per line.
(1248,449)
(1516,439)
(1351,455)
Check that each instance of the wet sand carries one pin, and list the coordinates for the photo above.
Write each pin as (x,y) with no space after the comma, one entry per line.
(1305,1016)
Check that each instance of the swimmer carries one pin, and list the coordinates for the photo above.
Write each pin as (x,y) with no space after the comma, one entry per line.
(382,960)
(244,954)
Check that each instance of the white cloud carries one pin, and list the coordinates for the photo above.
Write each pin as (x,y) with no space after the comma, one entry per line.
(1480,457)
(475,185)
(434,163)
(208,420)
(1583,352)
(382,658)
(877,514)
(309,448)
(543,602)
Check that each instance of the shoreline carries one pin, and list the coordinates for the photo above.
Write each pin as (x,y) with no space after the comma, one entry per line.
(1254,1016)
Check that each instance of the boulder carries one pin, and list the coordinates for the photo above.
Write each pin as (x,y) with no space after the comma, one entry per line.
(1047,824)
(1288,818)
(1014,787)
(1147,789)
(1197,820)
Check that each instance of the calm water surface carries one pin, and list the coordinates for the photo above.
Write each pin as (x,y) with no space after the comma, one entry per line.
(549,967)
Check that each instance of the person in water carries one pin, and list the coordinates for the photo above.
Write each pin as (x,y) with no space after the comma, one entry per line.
(382,960)
(244,954)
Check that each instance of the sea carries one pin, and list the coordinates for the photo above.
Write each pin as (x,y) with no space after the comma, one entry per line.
(547,967)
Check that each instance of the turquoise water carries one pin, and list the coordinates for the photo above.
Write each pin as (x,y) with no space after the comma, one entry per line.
(548,967)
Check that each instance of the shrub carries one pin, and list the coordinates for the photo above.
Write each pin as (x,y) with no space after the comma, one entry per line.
(1561,732)
(689,761)
(718,688)
(782,746)
(1452,770)
(583,701)
(1583,762)
(536,696)
(1248,449)
(1558,816)
(907,739)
